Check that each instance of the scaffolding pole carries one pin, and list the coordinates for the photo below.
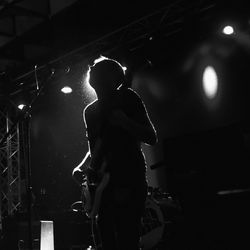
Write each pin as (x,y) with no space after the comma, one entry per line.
(10,178)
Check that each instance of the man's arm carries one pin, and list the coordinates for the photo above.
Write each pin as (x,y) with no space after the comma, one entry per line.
(81,169)
(144,132)
(94,145)
(90,163)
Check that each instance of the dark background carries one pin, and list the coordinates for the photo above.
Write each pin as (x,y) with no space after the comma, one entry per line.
(203,144)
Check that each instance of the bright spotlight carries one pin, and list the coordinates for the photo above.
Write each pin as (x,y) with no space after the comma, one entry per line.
(228,30)
(87,89)
(66,90)
(210,82)
(21,106)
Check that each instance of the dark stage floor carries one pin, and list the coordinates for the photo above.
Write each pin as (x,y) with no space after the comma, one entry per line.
(221,223)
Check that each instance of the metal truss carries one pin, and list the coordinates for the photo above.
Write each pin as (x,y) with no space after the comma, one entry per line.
(10,179)
(165,21)
(10,9)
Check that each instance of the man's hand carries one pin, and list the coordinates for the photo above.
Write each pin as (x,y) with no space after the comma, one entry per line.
(78,175)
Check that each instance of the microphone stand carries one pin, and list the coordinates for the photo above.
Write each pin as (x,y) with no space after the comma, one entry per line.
(24,118)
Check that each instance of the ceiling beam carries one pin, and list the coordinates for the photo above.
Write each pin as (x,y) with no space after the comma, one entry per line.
(7,34)
(4,3)
(13,10)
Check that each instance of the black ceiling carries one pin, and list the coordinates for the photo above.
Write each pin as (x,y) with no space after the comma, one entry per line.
(85,29)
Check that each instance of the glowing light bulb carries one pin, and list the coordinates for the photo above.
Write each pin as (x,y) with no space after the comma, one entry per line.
(66,90)
(228,30)
(21,106)
(210,82)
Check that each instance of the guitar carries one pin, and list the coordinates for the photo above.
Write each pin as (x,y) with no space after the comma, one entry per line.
(91,193)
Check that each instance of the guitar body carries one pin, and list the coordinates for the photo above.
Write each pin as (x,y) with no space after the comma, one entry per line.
(92,195)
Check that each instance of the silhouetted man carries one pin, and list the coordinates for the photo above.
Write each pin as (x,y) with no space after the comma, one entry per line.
(117,123)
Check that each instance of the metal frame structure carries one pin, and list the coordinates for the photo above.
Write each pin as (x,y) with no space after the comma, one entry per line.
(166,21)
(10,168)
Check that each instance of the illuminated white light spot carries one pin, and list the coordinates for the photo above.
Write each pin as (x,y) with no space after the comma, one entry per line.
(210,82)
(21,106)
(66,90)
(47,235)
(87,89)
(228,30)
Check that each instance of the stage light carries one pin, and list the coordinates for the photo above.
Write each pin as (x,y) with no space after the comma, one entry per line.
(228,30)
(21,106)
(66,90)
(210,82)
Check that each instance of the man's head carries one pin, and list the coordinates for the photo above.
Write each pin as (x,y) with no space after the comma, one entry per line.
(106,75)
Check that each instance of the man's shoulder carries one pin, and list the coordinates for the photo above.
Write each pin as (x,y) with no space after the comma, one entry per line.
(88,110)
(90,106)
(129,93)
